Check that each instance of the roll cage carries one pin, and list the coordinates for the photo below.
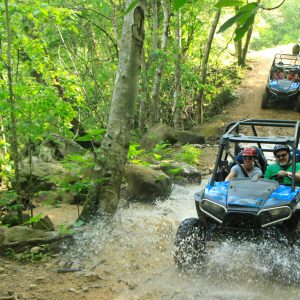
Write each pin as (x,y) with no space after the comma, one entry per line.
(250,131)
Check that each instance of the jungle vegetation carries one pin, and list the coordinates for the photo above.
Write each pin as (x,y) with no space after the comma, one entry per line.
(94,71)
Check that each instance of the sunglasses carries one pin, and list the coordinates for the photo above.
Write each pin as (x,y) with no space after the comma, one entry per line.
(248,158)
(281,155)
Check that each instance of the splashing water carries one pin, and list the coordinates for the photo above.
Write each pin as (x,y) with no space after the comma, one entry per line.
(137,247)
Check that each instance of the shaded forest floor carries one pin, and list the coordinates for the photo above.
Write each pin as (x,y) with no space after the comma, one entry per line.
(41,280)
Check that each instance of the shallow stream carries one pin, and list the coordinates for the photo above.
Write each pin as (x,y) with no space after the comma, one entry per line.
(137,249)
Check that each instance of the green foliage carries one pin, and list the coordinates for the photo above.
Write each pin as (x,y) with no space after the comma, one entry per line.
(277,27)
(178,3)
(244,17)
(93,135)
(64,229)
(134,152)
(34,219)
(7,198)
(132,5)
(188,154)
(174,171)
(227,3)
(28,256)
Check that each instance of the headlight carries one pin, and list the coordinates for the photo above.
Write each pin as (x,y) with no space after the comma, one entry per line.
(275,215)
(214,210)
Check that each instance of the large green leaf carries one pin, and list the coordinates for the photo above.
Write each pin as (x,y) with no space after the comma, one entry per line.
(226,3)
(231,21)
(131,6)
(244,16)
(178,3)
(240,32)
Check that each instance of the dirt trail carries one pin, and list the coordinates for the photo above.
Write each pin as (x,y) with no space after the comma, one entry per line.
(136,261)
(253,87)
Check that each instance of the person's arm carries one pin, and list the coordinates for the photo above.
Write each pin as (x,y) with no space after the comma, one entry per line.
(259,173)
(231,174)
(283,173)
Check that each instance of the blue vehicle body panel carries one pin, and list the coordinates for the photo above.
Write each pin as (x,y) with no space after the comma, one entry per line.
(284,85)
(282,195)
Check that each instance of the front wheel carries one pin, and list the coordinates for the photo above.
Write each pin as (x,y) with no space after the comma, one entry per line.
(190,243)
(265,100)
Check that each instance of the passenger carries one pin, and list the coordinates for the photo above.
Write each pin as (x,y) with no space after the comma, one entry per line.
(292,75)
(278,74)
(249,155)
(282,169)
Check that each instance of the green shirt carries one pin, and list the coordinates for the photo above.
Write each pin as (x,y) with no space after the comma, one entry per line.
(275,168)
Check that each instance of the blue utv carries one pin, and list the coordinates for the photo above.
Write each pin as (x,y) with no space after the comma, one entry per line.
(244,208)
(282,91)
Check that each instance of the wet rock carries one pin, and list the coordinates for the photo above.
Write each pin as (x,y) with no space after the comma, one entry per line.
(3,230)
(160,133)
(22,233)
(190,137)
(92,276)
(44,223)
(11,219)
(37,250)
(185,173)
(146,184)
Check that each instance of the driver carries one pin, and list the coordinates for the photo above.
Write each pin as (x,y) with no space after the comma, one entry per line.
(283,166)
(249,155)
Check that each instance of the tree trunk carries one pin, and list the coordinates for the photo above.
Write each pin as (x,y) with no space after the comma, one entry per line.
(238,45)
(13,126)
(154,25)
(145,97)
(155,100)
(177,76)
(247,42)
(201,95)
(103,197)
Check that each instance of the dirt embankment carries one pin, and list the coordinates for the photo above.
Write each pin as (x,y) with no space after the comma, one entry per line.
(141,269)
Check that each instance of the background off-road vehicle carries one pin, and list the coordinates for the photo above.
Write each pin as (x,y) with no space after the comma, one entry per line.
(283,92)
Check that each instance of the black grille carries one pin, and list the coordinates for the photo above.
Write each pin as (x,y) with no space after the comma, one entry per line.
(241,221)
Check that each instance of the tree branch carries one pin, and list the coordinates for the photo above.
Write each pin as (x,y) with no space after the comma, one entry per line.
(271,8)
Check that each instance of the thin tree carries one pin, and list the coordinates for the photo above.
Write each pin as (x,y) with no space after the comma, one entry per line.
(12,102)
(201,95)
(103,197)
(155,97)
(177,75)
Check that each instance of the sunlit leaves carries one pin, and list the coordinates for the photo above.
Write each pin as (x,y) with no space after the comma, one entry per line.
(226,3)
(244,17)
(179,3)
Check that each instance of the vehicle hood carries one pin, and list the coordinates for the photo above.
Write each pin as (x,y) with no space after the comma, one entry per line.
(261,193)
(283,85)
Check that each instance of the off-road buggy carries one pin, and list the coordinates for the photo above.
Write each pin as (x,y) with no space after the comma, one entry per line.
(283,92)
(255,209)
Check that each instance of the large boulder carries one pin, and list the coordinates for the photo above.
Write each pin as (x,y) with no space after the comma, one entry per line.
(57,147)
(160,133)
(147,184)
(190,137)
(23,233)
(183,173)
